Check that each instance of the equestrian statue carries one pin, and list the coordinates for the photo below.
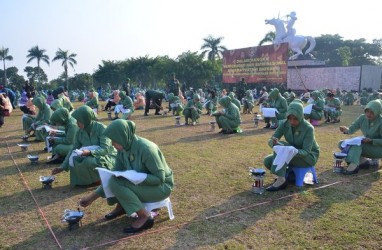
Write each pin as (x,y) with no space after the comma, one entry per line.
(287,34)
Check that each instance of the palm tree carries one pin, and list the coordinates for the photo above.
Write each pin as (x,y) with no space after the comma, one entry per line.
(269,37)
(4,56)
(212,47)
(38,54)
(66,58)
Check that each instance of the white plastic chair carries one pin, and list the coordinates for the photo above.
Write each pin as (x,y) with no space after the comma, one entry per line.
(159,204)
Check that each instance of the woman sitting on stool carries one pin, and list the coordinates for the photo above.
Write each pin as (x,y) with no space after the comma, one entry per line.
(142,157)
(298,133)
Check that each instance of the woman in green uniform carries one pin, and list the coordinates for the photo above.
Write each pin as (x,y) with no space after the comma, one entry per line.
(62,144)
(277,101)
(30,123)
(91,149)
(317,108)
(193,110)
(298,133)
(141,156)
(125,106)
(370,125)
(229,118)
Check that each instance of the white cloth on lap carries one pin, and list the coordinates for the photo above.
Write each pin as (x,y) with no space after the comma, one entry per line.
(78,152)
(352,141)
(131,175)
(284,155)
(308,109)
(269,112)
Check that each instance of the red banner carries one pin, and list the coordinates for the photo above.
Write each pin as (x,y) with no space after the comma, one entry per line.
(263,64)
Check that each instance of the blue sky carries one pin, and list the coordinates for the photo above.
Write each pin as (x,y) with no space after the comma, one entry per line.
(119,29)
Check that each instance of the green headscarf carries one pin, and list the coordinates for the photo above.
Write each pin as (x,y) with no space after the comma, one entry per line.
(232,95)
(38,102)
(60,116)
(296,108)
(85,115)
(122,94)
(375,106)
(56,104)
(121,132)
(196,97)
(274,93)
(316,94)
(225,101)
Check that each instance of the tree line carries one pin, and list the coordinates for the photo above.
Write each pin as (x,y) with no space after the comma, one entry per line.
(193,69)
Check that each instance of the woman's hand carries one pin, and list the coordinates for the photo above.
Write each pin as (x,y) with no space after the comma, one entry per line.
(56,171)
(275,141)
(86,152)
(86,201)
(367,141)
(344,129)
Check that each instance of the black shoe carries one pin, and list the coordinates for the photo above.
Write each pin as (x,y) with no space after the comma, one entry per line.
(222,131)
(267,126)
(45,149)
(132,230)
(273,189)
(347,172)
(113,215)
(365,165)
(158,114)
(228,132)
(56,160)
(146,114)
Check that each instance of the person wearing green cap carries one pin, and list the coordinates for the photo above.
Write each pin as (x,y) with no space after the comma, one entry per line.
(30,123)
(370,124)
(143,158)
(125,106)
(277,101)
(229,118)
(91,149)
(62,144)
(193,110)
(298,133)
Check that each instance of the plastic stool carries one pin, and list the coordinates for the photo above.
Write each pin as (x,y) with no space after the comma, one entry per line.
(300,173)
(159,204)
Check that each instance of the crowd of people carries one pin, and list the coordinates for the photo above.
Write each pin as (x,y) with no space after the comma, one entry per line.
(81,144)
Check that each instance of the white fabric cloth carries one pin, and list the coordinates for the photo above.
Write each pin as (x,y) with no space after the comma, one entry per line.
(352,141)
(269,112)
(131,175)
(49,129)
(310,100)
(47,144)
(78,152)
(327,108)
(284,155)
(308,109)
(119,108)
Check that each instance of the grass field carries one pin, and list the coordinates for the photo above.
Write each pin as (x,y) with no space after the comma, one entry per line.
(212,202)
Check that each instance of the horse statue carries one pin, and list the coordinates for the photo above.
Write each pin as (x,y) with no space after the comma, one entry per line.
(296,43)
